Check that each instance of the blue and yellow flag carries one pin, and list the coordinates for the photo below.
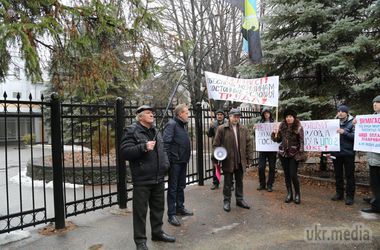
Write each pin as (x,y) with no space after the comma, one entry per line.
(251,32)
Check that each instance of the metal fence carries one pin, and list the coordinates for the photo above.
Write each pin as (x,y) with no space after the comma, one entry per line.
(60,159)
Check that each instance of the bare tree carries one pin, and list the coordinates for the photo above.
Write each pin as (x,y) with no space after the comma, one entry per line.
(206,34)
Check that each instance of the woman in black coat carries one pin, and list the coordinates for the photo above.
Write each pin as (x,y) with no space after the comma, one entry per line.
(290,134)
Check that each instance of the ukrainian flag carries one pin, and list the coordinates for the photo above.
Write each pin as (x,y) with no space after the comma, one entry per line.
(251,32)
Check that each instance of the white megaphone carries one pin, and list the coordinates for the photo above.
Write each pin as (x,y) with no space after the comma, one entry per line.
(220,153)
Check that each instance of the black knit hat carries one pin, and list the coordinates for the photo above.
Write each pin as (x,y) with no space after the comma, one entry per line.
(343,108)
(290,112)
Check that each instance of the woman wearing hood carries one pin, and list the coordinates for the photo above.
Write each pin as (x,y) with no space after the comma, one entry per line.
(266,117)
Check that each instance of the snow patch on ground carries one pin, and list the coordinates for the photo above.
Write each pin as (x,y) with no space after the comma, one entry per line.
(229,227)
(6,238)
(369,216)
(27,181)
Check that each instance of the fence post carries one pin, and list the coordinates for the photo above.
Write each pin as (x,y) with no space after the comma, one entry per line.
(56,149)
(199,138)
(120,164)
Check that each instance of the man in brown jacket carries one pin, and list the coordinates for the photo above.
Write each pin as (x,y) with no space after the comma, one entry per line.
(237,141)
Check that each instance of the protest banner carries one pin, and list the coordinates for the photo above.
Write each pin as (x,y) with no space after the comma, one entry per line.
(262,91)
(321,135)
(367,133)
(263,140)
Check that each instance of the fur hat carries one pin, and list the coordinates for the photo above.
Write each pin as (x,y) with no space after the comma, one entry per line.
(290,112)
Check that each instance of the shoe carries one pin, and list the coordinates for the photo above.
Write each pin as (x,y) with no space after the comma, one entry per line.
(368,200)
(297,199)
(349,201)
(269,189)
(337,197)
(141,246)
(242,204)
(370,210)
(184,212)
(261,187)
(173,220)
(163,237)
(214,186)
(227,206)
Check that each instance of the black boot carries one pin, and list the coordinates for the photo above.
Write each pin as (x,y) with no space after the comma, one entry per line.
(297,198)
(289,196)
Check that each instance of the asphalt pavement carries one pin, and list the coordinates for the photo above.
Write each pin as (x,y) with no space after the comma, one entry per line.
(317,223)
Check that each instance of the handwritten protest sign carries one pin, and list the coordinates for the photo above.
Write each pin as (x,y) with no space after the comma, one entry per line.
(263,91)
(321,135)
(367,133)
(263,140)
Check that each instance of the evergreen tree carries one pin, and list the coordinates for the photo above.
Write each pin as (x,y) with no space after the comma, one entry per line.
(96,50)
(325,52)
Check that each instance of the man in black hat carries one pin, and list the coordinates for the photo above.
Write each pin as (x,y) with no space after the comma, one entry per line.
(236,138)
(220,120)
(344,161)
(149,164)
(374,170)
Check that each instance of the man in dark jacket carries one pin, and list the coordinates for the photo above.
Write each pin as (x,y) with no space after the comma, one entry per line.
(266,117)
(238,143)
(149,163)
(345,159)
(220,120)
(177,146)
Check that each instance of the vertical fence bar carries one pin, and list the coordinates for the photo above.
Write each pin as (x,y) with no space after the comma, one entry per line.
(6,158)
(59,206)
(19,155)
(31,120)
(120,164)
(43,152)
(199,141)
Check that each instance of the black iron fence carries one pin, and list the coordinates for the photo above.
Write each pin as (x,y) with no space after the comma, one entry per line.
(60,159)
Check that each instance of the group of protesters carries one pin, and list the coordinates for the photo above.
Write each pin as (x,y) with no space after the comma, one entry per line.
(151,156)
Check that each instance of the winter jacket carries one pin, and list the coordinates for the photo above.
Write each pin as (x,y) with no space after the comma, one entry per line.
(347,138)
(225,137)
(177,141)
(373,158)
(292,141)
(147,167)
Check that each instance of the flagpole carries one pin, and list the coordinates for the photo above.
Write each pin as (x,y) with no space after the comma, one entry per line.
(276,122)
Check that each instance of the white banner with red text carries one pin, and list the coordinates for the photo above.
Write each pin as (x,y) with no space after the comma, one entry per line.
(262,91)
